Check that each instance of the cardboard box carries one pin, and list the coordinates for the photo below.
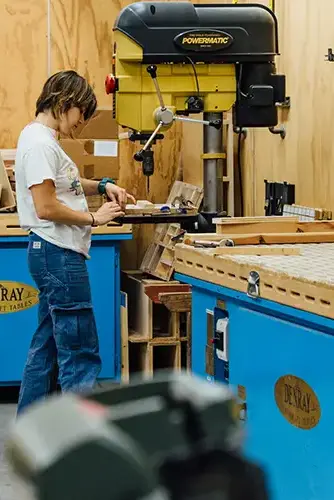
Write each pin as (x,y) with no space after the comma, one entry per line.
(102,125)
(89,158)
(7,198)
(94,148)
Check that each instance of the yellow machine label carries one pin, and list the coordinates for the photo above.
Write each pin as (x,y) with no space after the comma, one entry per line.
(15,297)
(297,402)
(204,41)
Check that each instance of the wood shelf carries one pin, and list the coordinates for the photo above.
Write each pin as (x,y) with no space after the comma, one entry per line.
(156,325)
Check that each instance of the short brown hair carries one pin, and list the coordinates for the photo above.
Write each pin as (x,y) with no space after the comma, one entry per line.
(65,90)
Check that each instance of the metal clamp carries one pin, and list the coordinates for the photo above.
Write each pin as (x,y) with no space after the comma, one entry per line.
(253,288)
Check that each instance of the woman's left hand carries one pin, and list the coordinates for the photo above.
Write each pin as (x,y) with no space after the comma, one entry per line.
(119,195)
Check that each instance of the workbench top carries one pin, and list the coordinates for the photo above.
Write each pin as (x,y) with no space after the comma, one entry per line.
(9,226)
(304,280)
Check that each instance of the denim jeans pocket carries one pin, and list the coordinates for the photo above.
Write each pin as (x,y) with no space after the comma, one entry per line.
(76,268)
(74,327)
(56,281)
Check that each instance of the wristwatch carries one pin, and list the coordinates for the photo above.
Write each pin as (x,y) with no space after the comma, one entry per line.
(102,184)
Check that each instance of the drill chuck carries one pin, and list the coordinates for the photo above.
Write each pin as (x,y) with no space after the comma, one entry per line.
(148,163)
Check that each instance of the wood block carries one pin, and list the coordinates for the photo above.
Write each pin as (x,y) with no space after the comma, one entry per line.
(175,301)
(250,220)
(153,291)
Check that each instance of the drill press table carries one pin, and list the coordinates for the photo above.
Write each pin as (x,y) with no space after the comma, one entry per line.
(265,325)
(19,297)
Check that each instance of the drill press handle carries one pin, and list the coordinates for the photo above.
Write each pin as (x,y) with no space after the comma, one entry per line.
(164,117)
(152,70)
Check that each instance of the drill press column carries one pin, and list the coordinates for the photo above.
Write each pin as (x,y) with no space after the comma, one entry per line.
(212,144)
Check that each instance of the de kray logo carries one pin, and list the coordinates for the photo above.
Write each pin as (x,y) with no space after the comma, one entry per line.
(15,297)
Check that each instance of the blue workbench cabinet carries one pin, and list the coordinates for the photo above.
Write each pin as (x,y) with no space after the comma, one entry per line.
(278,359)
(19,301)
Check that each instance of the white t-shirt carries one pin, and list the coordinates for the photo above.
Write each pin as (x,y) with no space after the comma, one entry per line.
(40,157)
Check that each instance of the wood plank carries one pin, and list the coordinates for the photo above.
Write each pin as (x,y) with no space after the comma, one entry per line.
(136,338)
(265,238)
(190,238)
(251,220)
(124,338)
(140,307)
(283,226)
(153,291)
(176,302)
(10,226)
(257,250)
(281,238)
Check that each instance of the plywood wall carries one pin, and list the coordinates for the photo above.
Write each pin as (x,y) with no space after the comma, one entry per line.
(23,63)
(39,37)
(306,156)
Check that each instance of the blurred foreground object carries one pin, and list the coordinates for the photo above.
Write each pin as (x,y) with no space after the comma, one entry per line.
(175,437)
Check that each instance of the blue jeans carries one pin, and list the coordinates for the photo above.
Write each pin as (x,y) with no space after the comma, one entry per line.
(66,335)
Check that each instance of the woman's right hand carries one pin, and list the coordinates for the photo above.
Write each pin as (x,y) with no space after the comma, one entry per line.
(108,212)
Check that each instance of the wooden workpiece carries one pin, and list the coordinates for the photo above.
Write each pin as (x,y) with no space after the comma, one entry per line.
(143,207)
(304,281)
(256,225)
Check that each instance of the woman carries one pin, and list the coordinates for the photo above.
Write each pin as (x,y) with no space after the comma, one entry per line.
(52,207)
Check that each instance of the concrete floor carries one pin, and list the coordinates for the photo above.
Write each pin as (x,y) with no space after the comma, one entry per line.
(10,489)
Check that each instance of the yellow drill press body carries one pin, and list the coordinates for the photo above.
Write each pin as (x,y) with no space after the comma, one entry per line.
(137,97)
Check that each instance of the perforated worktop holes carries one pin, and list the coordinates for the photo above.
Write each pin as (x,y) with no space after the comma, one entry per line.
(268,286)
(281,290)
(189,263)
(220,272)
(232,276)
(179,261)
(243,278)
(209,269)
(309,298)
(199,266)
(294,294)
(325,303)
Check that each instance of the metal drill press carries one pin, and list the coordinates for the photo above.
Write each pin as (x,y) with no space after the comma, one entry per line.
(173,60)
